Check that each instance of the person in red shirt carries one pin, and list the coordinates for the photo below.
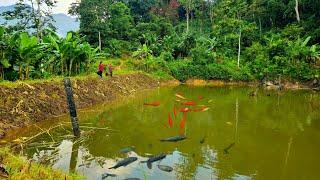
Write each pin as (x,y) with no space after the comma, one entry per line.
(100,69)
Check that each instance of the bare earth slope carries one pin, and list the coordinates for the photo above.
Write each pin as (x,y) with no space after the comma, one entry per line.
(26,104)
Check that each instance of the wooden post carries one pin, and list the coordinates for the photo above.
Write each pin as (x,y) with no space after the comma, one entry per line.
(72,107)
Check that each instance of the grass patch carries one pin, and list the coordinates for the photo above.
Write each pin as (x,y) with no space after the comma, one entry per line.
(20,168)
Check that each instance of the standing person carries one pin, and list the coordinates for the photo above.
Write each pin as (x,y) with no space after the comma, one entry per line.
(100,69)
(110,69)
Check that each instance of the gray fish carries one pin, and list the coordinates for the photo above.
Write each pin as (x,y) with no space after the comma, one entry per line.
(165,168)
(154,159)
(174,139)
(202,140)
(106,175)
(127,149)
(226,150)
(124,162)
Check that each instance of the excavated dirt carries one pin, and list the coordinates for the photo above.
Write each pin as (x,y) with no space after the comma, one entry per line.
(26,104)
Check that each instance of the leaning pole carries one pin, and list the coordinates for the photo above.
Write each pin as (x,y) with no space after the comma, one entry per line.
(72,107)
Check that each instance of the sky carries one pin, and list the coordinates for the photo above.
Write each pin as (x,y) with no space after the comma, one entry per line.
(62,6)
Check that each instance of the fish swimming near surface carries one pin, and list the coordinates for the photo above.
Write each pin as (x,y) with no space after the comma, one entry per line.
(226,150)
(189,103)
(183,121)
(106,175)
(154,159)
(184,110)
(202,140)
(124,162)
(229,123)
(165,168)
(127,149)
(180,96)
(174,111)
(174,138)
(205,109)
(170,121)
(156,103)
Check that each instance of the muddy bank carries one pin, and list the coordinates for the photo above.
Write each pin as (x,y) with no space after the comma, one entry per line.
(285,84)
(29,103)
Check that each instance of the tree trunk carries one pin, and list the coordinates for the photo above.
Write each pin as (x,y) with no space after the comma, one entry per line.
(297,10)
(187,20)
(27,71)
(260,26)
(1,72)
(70,67)
(20,73)
(39,19)
(99,41)
(239,49)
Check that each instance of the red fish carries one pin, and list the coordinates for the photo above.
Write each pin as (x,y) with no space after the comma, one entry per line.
(170,121)
(179,96)
(156,103)
(184,110)
(174,111)
(183,121)
(189,103)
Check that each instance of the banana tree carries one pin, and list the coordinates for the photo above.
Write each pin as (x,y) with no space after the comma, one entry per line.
(4,62)
(25,48)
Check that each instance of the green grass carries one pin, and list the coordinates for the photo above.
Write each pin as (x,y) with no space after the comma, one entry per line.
(120,68)
(20,168)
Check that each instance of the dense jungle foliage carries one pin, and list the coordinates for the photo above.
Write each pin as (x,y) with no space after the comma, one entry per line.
(208,39)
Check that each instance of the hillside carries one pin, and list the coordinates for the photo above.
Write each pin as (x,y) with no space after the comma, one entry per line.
(63,22)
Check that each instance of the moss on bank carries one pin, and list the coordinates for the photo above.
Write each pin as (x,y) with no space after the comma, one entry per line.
(20,168)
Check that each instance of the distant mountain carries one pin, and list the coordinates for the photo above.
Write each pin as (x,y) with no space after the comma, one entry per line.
(63,22)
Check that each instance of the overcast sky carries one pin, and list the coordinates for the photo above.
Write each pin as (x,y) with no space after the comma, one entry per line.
(62,6)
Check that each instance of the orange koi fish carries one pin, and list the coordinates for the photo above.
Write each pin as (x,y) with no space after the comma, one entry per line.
(170,121)
(174,111)
(189,103)
(156,103)
(179,96)
(184,110)
(183,121)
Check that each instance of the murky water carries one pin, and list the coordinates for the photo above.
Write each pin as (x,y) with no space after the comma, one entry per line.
(270,136)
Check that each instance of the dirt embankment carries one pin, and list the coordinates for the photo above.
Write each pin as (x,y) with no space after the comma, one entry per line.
(29,103)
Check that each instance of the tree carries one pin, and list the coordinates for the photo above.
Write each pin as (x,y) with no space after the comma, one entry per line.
(188,5)
(36,18)
(120,22)
(94,16)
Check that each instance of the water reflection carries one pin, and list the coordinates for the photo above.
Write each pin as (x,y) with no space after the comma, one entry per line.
(259,135)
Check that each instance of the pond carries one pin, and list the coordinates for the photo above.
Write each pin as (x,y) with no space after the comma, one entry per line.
(229,135)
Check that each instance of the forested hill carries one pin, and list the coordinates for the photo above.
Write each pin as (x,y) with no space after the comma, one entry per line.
(220,39)
(200,38)
(62,22)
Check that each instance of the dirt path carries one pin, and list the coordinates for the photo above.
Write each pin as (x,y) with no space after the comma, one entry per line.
(26,104)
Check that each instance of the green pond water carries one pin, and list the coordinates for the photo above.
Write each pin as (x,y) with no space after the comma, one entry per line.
(275,135)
